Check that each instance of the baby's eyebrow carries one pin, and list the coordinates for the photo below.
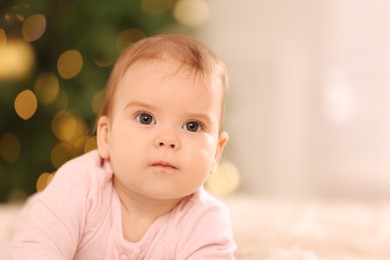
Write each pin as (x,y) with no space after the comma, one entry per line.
(204,117)
(139,104)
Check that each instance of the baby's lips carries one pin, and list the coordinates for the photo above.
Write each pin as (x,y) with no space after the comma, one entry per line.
(164,165)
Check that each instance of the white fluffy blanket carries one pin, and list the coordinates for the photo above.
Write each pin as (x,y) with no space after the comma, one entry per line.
(282,229)
(310,229)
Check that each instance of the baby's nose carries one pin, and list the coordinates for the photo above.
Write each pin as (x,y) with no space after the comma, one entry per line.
(170,145)
(168,141)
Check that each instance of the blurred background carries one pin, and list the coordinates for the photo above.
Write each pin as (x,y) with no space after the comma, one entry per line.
(308,111)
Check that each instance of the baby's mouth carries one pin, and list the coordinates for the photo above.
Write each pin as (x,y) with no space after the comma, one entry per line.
(163,164)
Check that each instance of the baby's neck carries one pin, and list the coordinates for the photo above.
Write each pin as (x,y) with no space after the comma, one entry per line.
(139,212)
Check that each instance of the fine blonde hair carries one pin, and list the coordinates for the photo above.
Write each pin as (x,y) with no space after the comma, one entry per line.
(187,51)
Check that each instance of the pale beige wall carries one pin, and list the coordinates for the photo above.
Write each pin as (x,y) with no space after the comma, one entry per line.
(309,109)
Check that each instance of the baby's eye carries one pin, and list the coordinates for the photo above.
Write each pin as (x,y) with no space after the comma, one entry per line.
(145,118)
(193,126)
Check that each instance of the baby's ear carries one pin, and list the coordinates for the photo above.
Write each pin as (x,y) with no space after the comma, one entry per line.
(222,141)
(102,137)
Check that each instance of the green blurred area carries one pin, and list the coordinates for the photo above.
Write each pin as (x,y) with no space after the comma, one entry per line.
(98,30)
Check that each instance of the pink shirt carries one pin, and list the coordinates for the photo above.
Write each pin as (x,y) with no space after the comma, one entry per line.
(78,216)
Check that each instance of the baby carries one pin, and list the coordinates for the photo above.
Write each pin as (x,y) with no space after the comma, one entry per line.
(140,194)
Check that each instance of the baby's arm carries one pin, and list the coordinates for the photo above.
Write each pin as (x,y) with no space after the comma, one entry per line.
(51,224)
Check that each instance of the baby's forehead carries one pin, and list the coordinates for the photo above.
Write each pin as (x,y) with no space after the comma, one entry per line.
(151,80)
(156,75)
(167,67)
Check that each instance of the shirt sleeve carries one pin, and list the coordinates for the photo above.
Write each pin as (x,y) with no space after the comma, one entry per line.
(211,236)
(51,223)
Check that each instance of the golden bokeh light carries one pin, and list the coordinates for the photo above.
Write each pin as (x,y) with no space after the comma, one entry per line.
(191,12)
(103,53)
(127,37)
(47,88)
(17,59)
(84,144)
(101,61)
(9,147)
(67,127)
(90,144)
(60,154)
(14,14)
(43,180)
(69,64)
(26,104)
(34,27)
(97,101)
(2,177)
(224,180)
(3,40)
(79,144)
(62,101)
(155,7)
(17,196)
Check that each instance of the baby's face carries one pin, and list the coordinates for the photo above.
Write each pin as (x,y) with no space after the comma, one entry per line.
(163,137)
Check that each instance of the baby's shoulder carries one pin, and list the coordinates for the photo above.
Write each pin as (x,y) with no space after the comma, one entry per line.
(203,199)
(87,164)
(202,222)
(81,173)
(84,180)
(202,205)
